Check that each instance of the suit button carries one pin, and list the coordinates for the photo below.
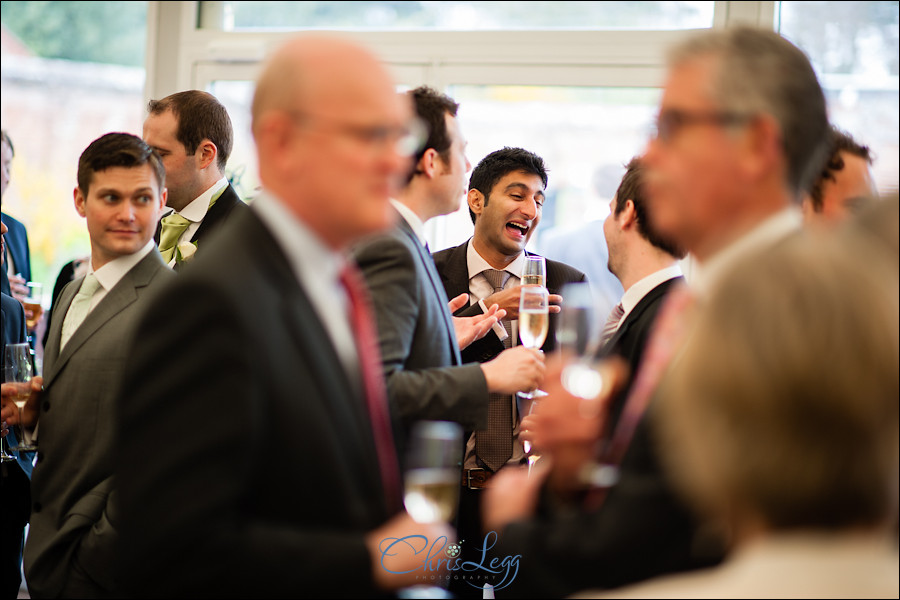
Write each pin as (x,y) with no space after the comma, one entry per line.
(36,507)
(46,405)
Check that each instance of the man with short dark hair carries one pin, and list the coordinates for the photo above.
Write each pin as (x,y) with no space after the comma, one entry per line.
(72,543)
(647,265)
(192,133)
(505,197)
(426,376)
(844,184)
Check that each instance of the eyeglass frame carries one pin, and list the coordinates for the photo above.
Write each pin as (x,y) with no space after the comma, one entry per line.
(406,139)
(669,122)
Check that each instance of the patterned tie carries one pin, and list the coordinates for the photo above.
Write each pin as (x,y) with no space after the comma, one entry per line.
(615,315)
(494,444)
(373,380)
(79,308)
(173,226)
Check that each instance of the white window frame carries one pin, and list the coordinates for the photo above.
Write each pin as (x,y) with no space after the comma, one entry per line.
(180,55)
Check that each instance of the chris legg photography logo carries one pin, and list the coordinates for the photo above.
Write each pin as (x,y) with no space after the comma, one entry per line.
(438,556)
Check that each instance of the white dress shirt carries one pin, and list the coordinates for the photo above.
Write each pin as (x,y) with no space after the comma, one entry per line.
(196,211)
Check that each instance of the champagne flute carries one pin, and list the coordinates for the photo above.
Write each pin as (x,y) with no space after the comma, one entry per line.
(34,304)
(4,455)
(578,336)
(535,271)
(431,480)
(17,370)
(534,319)
(526,406)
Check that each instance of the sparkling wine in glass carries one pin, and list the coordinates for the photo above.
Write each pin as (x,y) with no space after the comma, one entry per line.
(535,271)
(578,336)
(534,319)
(17,369)
(432,477)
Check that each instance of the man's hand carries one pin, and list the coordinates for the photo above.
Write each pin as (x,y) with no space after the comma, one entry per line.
(512,495)
(516,369)
(18,287)
(399,549)
(567,428)
(508,300)
(10,413)
(471,329)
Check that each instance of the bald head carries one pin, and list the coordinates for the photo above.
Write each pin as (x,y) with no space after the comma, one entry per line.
(317,70)
(326,119)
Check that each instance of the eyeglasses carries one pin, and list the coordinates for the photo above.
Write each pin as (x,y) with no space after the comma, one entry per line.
(406,140)
(670,122)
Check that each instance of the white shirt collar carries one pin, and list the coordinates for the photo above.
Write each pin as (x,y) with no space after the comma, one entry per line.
(641,288)
(476,264)
(197,209)
(112,272)
(764,235)
(412,218)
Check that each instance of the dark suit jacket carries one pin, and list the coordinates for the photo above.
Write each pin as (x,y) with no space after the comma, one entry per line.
(17,242)
(425,376)
(247,466)
(630,339)
(642,529)
(228,205)
(454,270)
(74,529)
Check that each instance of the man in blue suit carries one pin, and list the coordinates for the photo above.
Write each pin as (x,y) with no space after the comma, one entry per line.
(15,499)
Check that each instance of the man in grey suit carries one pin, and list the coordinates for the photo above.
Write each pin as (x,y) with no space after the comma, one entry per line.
(72,541)
(425,375)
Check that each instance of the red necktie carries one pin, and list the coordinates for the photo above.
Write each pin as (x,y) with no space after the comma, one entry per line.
(373,381)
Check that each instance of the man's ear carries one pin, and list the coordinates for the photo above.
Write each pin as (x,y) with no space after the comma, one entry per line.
(627,217)
(761,146)
(79,201)
(476,201)
(206,154)
(427,165)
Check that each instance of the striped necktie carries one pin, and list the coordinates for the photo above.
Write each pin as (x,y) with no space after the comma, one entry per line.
(612,322)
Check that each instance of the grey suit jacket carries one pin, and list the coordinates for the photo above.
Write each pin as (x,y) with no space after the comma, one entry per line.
(70,545)
(422,366)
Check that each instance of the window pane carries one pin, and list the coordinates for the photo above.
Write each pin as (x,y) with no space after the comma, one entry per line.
(71,72)
(462,16)
(854,49)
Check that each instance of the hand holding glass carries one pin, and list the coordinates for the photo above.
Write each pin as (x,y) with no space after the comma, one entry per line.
(534,319)
(17,371)
(432,478)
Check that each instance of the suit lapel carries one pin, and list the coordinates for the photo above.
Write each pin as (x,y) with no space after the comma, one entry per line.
(121,296)
(436,286)
(217,214)
(635,315)
(456,272)
(301,322)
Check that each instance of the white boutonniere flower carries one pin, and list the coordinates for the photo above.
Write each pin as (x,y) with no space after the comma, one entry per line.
(184,251)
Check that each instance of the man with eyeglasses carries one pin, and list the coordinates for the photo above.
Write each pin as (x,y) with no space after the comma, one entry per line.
(420,339)
(741,130)
(256,453)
